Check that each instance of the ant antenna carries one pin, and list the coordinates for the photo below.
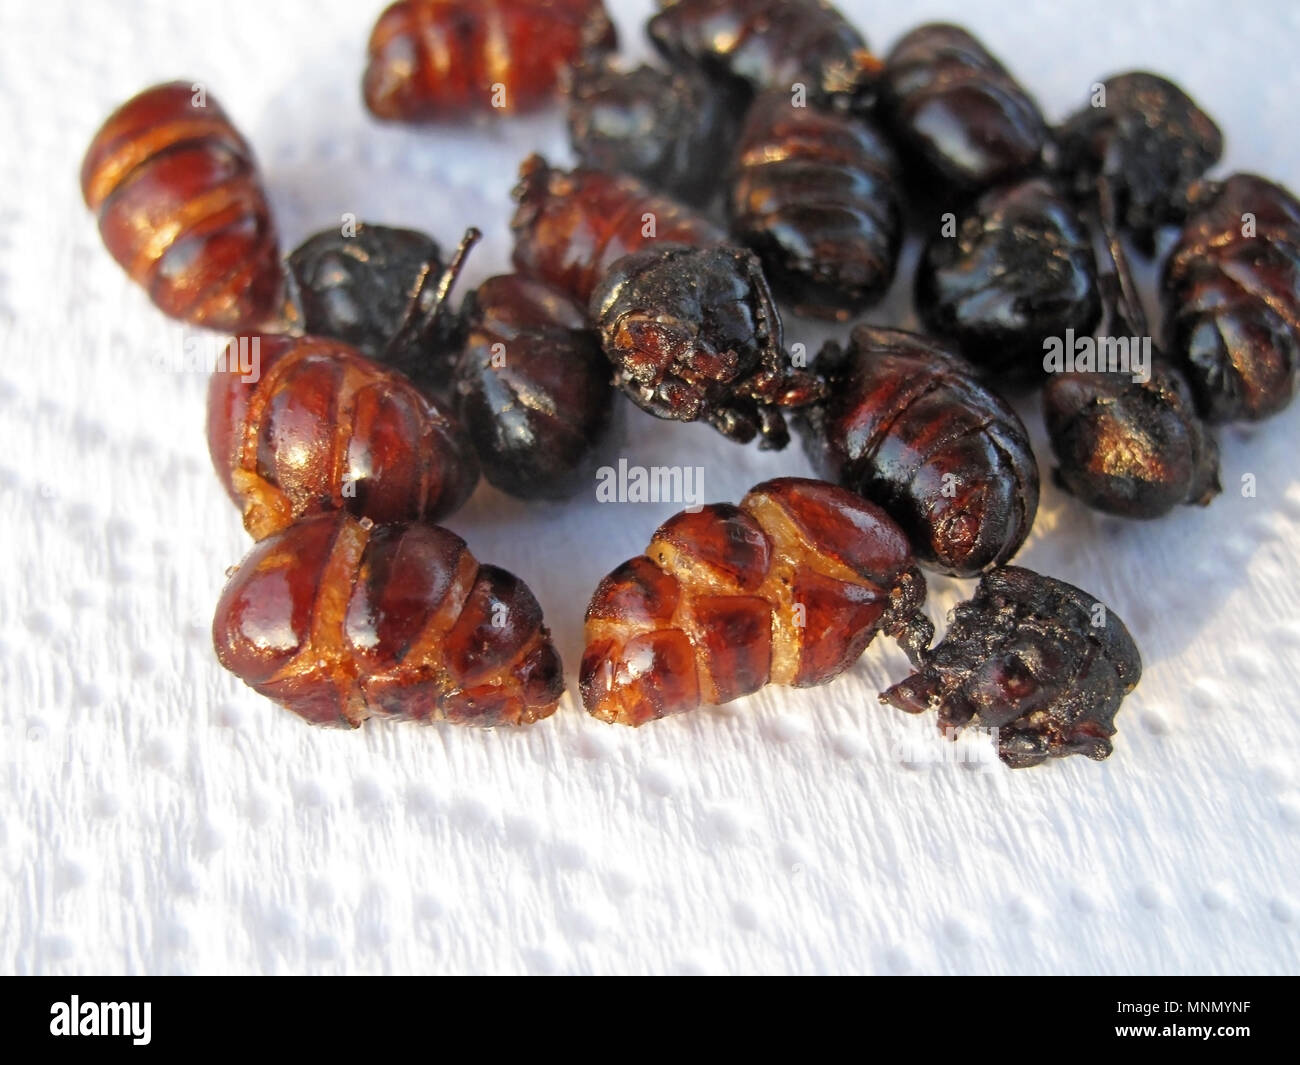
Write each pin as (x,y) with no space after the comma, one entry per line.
(418,322)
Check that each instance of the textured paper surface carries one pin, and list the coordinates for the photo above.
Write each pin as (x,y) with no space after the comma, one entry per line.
(156,816)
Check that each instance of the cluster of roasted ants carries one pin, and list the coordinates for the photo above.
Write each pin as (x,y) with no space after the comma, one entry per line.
(377,401)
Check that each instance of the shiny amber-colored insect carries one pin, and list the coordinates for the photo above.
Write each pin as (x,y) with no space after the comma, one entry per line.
(433,60)
(909,426)
(819,197)
(182,209)
(570,228)
(1232,298)
(340,620)
(787,588)
(318,426)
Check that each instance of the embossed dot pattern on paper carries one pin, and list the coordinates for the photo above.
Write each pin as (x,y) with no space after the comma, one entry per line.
(158,816)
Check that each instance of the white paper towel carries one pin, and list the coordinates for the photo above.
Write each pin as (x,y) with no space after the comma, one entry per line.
(156,816)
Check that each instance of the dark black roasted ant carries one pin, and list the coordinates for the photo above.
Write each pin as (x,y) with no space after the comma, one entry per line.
(385,291)
(1038,660)
(694,335)
(668,128)
(1016,268)
(771,44)
(532,387)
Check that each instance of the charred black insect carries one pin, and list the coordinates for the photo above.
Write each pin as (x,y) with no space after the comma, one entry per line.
(532,387)
(771,44)
(1039,660)
(908,425)
(962,116)
(817,196)
(1232,298)
(667,128)
(1136,152)
(386,292)
(1020,268)
(1129,447)
(694,335)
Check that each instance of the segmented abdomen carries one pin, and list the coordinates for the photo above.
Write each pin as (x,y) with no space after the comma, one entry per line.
(954,105)
(317,426)
(1232,300)
(909,426)
(787,588)
(816,195)
(446,59)
(339,620)
(181,208)
(571,227)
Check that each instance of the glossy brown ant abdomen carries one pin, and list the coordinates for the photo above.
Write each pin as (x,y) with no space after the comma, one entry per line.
(182,209)
(818,197)
(532,387)
(908,425)
(957,110)
(438,60)
(787,588)
(1232,299)
(340,620)
(570,228)
(298,425)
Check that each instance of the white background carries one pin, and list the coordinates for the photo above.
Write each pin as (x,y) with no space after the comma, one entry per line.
(156,816)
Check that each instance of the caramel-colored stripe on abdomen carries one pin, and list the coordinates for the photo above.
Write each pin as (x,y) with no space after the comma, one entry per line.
(426,650)
(351,380)
(496,55)
(226,197)
(778,587)
(694,579)
(252,487)
(434,57)
(791,553)
(326,654)
(140,149)
(219,300)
